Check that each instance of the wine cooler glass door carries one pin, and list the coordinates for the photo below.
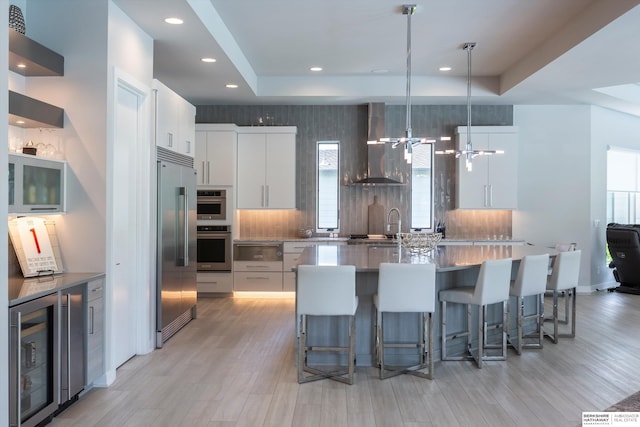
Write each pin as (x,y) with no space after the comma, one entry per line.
(33,360)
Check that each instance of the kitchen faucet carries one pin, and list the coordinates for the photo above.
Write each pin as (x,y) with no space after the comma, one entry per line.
(399,220)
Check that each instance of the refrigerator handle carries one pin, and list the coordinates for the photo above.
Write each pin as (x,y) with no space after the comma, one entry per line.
(185,220)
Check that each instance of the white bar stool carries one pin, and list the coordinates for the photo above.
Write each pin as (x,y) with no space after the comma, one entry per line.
(564,280)
(406,288)
(492,287)
(326,291)
(530,281)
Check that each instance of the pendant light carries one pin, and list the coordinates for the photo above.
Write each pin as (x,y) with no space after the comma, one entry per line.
(469,153)
(408,141)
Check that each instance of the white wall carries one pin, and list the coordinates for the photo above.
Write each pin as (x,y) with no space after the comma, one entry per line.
(608,128)
(4,197)
(98,42)
(130,59)
(554,195)
(78,31)
(562,179)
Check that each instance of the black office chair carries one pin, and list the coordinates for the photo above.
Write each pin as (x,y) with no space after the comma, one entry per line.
(624,246)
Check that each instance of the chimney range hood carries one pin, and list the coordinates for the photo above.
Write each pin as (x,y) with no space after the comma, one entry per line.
(380,160)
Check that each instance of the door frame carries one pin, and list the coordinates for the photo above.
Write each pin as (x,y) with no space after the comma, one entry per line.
(142,155)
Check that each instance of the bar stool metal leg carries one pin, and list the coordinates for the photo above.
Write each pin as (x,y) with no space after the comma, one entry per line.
(424,346)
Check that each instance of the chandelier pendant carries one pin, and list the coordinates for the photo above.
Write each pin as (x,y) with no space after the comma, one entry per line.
(408,141)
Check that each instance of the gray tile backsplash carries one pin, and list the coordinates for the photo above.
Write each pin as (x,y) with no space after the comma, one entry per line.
(348,124)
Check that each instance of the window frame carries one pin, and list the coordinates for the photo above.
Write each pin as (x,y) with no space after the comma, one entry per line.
(335,229)
(431,225)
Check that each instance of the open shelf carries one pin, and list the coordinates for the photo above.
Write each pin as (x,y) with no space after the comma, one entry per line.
(33,113)
(30,58)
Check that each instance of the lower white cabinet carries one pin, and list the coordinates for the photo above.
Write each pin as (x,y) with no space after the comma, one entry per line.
(257,276)
(215,282)
(95,330)
(292,251)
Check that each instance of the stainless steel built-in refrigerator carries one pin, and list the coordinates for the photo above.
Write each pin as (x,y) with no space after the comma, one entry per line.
(176,261)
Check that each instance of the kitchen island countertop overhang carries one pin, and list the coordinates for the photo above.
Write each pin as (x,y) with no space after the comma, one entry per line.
(455,266)
(447,258)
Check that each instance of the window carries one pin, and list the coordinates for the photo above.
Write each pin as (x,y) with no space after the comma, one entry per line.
(422,187)
(328,195)
(623,186)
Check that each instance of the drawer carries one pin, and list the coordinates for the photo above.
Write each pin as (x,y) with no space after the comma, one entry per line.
(257,281)
(215,282)
(290,261)
(95,289)
(257,266)
(289,282)
(296,247)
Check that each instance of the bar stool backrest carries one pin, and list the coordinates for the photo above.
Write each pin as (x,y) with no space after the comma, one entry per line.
(326,290)
(493,281)
(566,270)
(407,288)
(532,275)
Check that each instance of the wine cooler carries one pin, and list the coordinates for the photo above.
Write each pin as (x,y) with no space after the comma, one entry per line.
(33,379)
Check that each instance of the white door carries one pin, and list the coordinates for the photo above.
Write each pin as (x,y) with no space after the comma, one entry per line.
(123,212)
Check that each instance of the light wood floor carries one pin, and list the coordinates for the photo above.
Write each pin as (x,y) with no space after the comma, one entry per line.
(234,366)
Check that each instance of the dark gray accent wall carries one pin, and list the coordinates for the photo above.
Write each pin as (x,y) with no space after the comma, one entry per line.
(348,124)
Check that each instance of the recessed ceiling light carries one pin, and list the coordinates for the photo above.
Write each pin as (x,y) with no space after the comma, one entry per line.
(174,21)
(231,86)
(315,68)
(208,60)
(21,65)
(445,68)
(20,122)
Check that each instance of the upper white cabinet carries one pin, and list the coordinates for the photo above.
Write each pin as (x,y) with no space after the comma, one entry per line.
(493,181)
(215,152)
(266,168)
(174,120)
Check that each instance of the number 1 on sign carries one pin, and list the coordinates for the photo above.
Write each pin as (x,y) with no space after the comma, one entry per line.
(35,239)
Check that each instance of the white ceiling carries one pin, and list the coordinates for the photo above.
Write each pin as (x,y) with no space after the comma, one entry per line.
(528,51)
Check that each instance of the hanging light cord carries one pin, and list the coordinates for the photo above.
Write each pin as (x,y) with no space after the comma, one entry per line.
(409,10)
(469,47)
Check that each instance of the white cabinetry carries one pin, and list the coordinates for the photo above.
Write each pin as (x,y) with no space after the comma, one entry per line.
(292,251)
(266,168)
(95,330)
(215,282)
(36,185)
(493,182)
(257,276)
(215,158)
(174,120)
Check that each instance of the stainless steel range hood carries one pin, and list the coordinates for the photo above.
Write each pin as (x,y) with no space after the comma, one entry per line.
(380,170)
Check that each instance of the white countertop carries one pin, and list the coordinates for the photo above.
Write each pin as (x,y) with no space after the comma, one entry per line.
(446,258)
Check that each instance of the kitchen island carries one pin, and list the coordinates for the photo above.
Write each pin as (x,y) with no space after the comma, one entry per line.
(455,266)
